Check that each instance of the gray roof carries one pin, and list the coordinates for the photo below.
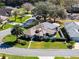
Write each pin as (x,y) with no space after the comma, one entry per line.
(4,11)
(76,5)
(72,29)
(48,25)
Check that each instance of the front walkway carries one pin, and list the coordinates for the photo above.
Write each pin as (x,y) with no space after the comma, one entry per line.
(29,44)
(76,46)
(46,57)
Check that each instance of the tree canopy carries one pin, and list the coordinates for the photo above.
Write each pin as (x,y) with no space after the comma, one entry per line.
(17,31)
(46,9)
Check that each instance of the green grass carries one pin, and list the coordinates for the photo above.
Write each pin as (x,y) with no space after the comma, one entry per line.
(12,38)
(18,57)
(9,38)
(6,26)
(48,45)
(66,57)
(74,58)
(25,18)
(58,35)
(22,46)
(59,58)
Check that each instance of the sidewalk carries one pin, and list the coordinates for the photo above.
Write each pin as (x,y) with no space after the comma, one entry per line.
(46,57)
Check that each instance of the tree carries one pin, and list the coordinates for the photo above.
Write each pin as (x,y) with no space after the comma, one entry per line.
(57,2)
(41,9)
(56,11)
(70,3)
(15,13)
(17,31)
(28,6)
(21,18)
(2,4)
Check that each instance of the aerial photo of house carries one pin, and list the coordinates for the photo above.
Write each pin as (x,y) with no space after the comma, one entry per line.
(39,29)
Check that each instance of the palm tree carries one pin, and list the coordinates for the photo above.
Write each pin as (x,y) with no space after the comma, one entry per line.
(17,31)
(15,13)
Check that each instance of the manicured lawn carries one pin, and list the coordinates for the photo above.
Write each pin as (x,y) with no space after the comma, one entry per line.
(12,38)
(48,45)
(22,46)
(58,35)
(59,58)
(19,57)
(66,57)
(74,58)
(6,26)
(9,38)
(25,18)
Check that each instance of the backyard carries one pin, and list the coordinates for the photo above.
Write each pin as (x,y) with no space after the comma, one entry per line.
(18,20)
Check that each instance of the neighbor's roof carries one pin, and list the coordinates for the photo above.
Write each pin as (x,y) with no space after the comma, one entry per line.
(72,28)
(76,5)
(4,11)
(3,18)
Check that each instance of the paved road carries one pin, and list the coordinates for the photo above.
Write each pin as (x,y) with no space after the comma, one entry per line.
(4,33)
(39,52)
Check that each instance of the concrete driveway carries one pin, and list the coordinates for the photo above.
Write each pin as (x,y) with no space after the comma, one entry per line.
(4,33)
(76,46)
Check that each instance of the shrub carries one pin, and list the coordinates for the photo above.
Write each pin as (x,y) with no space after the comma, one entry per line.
(3,57)
(70,46)
(22,42)
(72,42)
(47,40)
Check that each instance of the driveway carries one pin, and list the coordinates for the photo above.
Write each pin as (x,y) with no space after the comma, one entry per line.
(76,46)
(4,33)
(46,57)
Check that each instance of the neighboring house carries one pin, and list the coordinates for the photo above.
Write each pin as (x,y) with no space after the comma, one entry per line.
(6,11)
(4,19)
(74,9)
(74,16)
(43,28)
(72,29)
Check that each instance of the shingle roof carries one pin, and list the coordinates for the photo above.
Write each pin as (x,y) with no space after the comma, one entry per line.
(4,11)
(49,25)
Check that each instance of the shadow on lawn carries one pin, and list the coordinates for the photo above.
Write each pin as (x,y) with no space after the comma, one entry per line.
(7,45)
